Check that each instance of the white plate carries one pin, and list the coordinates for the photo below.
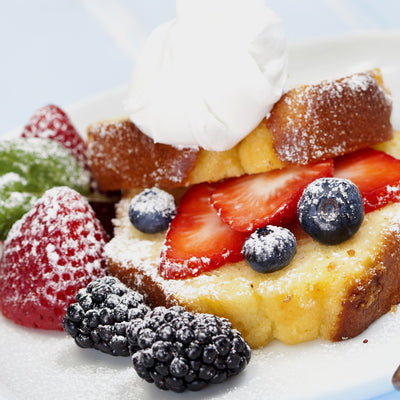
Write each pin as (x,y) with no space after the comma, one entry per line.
(47,365)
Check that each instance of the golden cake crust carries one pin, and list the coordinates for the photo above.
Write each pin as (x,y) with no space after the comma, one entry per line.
(309,123)
(331,118)
(332,292)
(122,157)
(374,295)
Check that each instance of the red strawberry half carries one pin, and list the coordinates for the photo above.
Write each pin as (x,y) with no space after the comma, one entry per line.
(198,240)
(376,174)
(253,201)
(52,252)
(50,122)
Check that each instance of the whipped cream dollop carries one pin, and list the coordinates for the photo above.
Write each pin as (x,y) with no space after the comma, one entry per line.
(208,77)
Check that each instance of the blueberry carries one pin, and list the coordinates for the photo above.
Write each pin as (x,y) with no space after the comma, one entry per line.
(152,210)
(331,210)
(269,249)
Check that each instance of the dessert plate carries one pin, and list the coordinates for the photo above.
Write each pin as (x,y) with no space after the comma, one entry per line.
(48,365)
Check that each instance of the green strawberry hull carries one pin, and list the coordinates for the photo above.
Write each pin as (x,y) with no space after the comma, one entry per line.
(29,167)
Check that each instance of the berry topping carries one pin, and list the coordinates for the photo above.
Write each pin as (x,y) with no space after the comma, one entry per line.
(50,122)
(376,174)
(197,239)
(179,350)
(152,210)
(331,210)
(29,167)
(103,206)
(101,313)
(253,201)
(51,253)
(269,249)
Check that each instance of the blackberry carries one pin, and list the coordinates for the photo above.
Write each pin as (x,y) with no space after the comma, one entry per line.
(101,313)
(331,210)
(178,350)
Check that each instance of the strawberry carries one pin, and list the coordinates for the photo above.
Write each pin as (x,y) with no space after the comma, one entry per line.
(197,239)
(50,122)
(253,201)
(49,254)
(376,174)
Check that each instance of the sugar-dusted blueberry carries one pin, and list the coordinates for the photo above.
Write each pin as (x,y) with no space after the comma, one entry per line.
(331,210)
(152,210)
(269,249)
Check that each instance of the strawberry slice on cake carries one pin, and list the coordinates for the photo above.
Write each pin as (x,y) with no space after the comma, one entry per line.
(197,239)
(376,174)
(253,201)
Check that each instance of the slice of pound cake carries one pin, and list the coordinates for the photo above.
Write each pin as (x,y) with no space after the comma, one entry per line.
(309,123)
(332,292)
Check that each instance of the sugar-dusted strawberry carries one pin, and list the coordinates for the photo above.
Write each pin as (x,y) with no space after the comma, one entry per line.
(253,201)
(49,254)
(197,239)
(51,122)
(376,174)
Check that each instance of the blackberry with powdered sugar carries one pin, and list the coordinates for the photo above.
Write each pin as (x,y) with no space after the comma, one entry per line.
(100,315)
(180,350)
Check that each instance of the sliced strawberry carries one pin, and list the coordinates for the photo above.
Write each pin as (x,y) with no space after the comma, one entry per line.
(376,174)
(198,240)
(252,201)
(51,122)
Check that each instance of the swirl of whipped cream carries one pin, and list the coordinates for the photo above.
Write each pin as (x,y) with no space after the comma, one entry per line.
(208,77)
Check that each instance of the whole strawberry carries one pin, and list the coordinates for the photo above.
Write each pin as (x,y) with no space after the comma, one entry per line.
(50,122)
(52,252)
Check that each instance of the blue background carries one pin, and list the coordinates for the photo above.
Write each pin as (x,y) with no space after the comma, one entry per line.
(62,51)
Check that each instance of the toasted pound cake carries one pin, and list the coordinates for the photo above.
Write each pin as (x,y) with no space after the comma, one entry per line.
(332,292)
(309,123)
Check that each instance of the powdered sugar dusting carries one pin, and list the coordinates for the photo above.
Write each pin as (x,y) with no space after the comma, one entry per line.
(50,122)
(270,245)
(13,199)
(121,155)
(10,179)
(154,199)
(339,189)
(40,161)
(52,255)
